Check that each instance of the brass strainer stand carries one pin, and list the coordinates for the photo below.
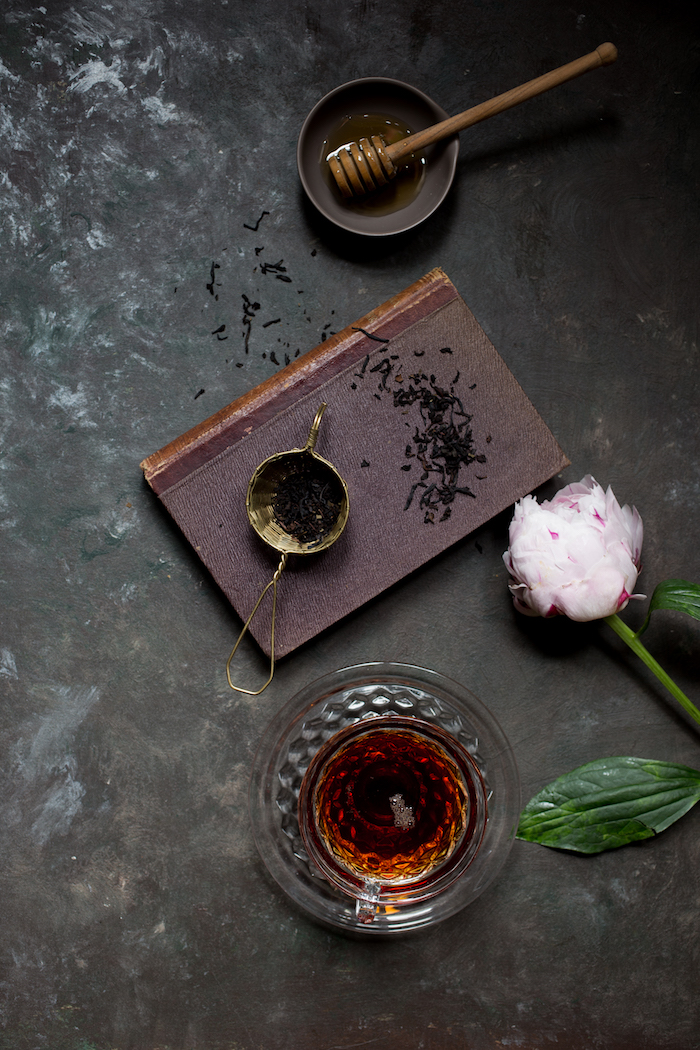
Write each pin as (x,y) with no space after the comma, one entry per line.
(263,490)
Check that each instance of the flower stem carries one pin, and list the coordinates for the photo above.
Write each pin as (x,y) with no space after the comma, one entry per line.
(623,631)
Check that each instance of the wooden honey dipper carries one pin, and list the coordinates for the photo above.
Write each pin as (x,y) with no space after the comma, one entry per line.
(362,167)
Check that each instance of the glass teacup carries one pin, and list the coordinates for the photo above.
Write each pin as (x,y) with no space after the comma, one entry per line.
(392,810)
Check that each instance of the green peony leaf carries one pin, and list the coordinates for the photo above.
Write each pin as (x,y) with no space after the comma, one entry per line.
(609,803)
(674,594)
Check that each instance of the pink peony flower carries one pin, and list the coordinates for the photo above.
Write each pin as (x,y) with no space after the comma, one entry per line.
(577,554)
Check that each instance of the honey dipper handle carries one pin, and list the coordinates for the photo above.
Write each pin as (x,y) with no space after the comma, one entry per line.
(602,56)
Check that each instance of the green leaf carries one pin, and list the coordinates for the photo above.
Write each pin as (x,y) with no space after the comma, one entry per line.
(674,594)
(608,803)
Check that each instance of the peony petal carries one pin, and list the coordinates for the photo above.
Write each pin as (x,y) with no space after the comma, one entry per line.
(594,598)
(577,554)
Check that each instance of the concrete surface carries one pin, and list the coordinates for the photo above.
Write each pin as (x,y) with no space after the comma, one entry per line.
(139,143)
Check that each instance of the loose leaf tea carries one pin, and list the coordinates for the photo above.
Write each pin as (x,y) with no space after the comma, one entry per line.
(442,446)
(442,443)
(255,227)
(307,502)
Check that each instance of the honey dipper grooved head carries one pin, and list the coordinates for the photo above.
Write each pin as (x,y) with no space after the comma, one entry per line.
(359,168)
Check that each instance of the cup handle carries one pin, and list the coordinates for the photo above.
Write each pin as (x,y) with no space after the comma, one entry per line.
(367,904)
(273,584)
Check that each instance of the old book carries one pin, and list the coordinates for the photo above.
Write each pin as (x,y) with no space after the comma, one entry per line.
(430,430)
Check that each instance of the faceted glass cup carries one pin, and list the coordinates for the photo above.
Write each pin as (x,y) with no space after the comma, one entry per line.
(392,810)
(348,708)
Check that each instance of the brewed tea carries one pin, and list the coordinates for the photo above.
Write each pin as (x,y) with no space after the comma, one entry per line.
(391,803)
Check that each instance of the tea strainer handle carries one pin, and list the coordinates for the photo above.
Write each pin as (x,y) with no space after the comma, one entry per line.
(273,584)
(315,426)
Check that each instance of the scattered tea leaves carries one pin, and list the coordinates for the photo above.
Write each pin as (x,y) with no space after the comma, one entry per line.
(442,441)
(443,444)
(212,282)
(254,228)
(376,338)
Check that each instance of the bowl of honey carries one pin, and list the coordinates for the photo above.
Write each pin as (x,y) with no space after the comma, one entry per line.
(360,109)
(384,798)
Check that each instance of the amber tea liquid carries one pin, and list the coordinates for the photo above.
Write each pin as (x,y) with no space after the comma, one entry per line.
(393,806)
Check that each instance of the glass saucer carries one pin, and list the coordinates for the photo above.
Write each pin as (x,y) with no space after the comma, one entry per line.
(332,704)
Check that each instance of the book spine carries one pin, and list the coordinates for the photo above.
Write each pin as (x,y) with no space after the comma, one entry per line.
(206,440)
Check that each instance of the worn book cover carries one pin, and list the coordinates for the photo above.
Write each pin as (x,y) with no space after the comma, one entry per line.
(429,428)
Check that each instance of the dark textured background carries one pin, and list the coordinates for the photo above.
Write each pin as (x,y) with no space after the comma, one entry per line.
(136,141)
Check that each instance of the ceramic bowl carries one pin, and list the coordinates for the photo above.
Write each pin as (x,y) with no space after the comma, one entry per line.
(407,105)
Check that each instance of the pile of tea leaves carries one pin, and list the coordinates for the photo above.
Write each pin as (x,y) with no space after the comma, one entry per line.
(442,445)
(307,502)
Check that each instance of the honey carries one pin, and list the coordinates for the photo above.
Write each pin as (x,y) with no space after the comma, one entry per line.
(410,172)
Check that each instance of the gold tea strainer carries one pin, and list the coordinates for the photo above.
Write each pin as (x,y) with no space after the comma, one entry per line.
(297,503)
